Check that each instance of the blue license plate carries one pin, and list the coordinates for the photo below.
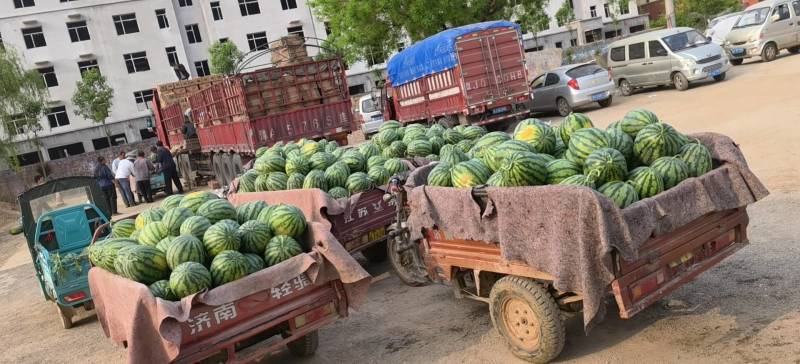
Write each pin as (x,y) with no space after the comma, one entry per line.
(599,96)
(499,110)
(714,73)
(737,51)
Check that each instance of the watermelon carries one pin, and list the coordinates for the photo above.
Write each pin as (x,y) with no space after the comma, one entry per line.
(276,181)
(185,248)
(247,181)
(165,243)
(220,237)
(171,201)
(355,161)
(655,141)
(174,218)
(635,120)
(646,181)
(498,179)
(193,200)
(122,228)
(321,160)
(607,164)
(297,164)
(269,163)
(621,142)
(672,170)
(249,210)
(280,248)
(315,179)
(255,262)
(291,150)
(389,124)
(379,175)
(336,175)
(161,290)
(396,150)
(103,253)
(440,175)
(309,148)
(547,157)
(369,150)
(560,169)
(227,267)
(432,157)
(473,132)
(436,144)
(189,278)
(146,217)
(452,136)
(536,133)
(261,183)
(465,145)
(358,182)
(385,138)
(452,155)
(295,181)
(435,130)
(523,169)
(413,134)
(195,226)
(584,141)
(152,233)
(286,220)
(254,236)
(623,194)
(560,148)
(493,156)
(395,166)
(333,148)
(419,148)
(234,225)
(339,192)
(261,150)
(140,263)
(572,123)
(135,235)
(614,126)
(377,160)
(470,173)
(578,180)
(697,158)
(486,141)
(216,210)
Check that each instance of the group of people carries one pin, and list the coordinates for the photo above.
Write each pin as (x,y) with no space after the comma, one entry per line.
(135,164)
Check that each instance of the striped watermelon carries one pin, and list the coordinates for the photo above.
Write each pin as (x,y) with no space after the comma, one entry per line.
(280,248)
(395,166)
(152,233)
(315,179)
(339,192)
(432,157)
(377,160)
(389,124)
(578,180)
(287,220)
(524,169)
(493,156)
(249,210)
(171,201)
(436,144)
(473,132)
(174,218)
(227,267)
(435,130)
(547,157)
(396,150)
(369,150)
(165,243)
(189,278)
(297,164)
(672,170)
(195,226)
(336,175)
(321,160)
(560,148)
(261,183)
(103,253)
(614,126)
(572,123)
(261,150)
(216,210)
(646,181)
(560,169)
(193,200)
(385,138)
(414,133)
(220,237)
(276,181)
(465,145)
(295,181)
(254,236)
(621,142)
(635,120)
(607,164)
(452,136)
(536,133)
(140,263)
(655,141)
(269,163)
(585,141)
(161,290)
(358,182)
(440,175)
(470,173)
(290,149)
(419,148)
(135,235)
(122,228)
(355,161)
(185,248)
(623,194)
(486,141)
(247,181)
(309,148)
(146,217)
(234,225)
(379,175)
(255,262)
(697,158)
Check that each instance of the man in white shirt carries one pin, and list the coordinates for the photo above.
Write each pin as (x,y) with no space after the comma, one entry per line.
(121,174)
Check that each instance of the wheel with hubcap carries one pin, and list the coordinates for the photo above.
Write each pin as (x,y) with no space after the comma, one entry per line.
(447,121)
(737,61)
(625,88)
(680,81)
(563,107)
(769,53)
(606,102)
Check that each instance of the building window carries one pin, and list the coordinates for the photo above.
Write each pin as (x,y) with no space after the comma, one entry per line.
(15,126)
(613,34)
(184,3)
(193,33)
(136,62)
(257,41)
(624,9)
(202,68)
(161,16)
(65,151)
(58,117)
(607,10)
(78,31)
(27,159)
(216,10)
(172,56)
(249,7)
(559,45)
(143,99)
(533,49)
(102,143)
(593,11)
(84,66)
(34,38)
(573,42)
(288,4)
(49,76)
(223,40)
(296,30)
(327,28)
(23,3)
(146,133)
(126,24)
(636,28)
(401,46)
(356,89)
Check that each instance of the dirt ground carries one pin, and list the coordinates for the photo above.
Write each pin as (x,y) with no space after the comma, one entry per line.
(747,310)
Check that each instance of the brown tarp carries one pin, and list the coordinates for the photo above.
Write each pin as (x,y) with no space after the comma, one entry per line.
(569,232)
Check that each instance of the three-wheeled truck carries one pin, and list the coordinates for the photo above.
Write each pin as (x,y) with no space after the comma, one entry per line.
(59,219)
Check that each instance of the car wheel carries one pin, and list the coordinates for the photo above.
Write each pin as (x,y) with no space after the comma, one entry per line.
(625,88)
(737,61)
(769,53)
(680,81)
(606,102)
(720,77)
(447,121)
(563,106)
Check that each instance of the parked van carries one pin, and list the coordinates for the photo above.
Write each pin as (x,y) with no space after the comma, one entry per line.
(675,56)
(764,30)
(369,112)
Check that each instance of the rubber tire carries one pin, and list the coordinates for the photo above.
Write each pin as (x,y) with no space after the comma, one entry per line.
(680,82)
(563,107)
(606,103)
(625,88)
(552,332)
(769,53)
(409,278)
(795,49)
(447,121)
(737,61)
(376,253)
(305,346)
(66,316)
(721,77)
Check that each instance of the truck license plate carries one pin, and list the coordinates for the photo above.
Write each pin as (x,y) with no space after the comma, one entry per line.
(376,234)
(737,51)
(499,110)
(714,73)
(598,96)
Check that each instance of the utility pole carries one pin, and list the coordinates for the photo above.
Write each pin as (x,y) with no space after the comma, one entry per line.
(669,7)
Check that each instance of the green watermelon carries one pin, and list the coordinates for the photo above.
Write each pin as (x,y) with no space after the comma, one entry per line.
(339,192)
(493,156)
(452,136)
(473,132)
(377,160)
(234,225)
(395,166)
(536,133)
(247,181)
(523,169)
(470,173)
(358,182)
(368,150)
(572,123)
(584,141)
(396,150)
(249,210)
(103,253)
(389,124)
(161,290)
(486,141)
(261,150)
(286,219)
(609,164)
(672,170)
(646,181)
(140,263)
(297,164)
(315,179)
(309,148)
(174,218)
(621,142)
(498,179)
(195,226)
(432,157)
(152,233)
(451,154)
(280,248)
(216,210)
(413,134)
(254,236)
(189,278)
(122,228)
(269,163)
(146,217)
(227,267)
(193,200)
(336,175)
(419,148)
(255,262)
(440,175)
(171,201)
(635,120)
(321,160)
(384,138)
(560,169)
(276,181)
(185,248)
(655,141)
(295,181)
(436,144)
(220,237)
(465,145)
(355,161)
(261,183)
(135,235)
(435,130)
(380,176)
(623,194)
(578,180)
(165,243)
(291,149)
(697,158)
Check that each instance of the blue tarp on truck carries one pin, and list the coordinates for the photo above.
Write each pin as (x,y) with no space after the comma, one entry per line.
(434,54)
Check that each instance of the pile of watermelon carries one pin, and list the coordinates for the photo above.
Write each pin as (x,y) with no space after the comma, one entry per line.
(634,158)
(199,241)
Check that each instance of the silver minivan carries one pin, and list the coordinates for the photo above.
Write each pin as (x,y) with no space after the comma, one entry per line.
(675,56)
(764,30)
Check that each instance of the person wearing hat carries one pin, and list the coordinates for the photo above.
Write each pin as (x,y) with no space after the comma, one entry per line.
(122,175)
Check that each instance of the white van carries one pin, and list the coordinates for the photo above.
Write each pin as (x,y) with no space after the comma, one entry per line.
(764,30)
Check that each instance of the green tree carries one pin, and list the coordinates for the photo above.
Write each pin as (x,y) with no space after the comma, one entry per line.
(23,102)
(93,99)
(224,58)
(697,13)
(370,30)
(564,15)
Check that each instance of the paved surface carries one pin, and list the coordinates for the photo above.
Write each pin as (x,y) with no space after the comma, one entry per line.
(747,310)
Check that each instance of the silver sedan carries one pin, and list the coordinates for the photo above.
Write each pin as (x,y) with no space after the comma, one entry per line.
(568,87)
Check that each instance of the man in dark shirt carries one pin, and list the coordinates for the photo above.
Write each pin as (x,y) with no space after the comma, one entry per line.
(164,157)
(105,178)
(188,130)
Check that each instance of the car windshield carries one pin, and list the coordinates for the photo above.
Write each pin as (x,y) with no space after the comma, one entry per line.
(58,200)
(684,40)
(752,17)
(584,70)
(368,106)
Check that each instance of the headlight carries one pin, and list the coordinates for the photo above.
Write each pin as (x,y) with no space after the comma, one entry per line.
(688,62)
(728,43)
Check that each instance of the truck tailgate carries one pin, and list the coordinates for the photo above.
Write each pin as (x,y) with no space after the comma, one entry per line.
(364,222)
(492,66)
(671,260)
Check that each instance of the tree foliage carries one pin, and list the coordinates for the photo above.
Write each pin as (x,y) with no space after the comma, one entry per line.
(224,57)
(564,14)
(93,99)
(371,30)
(697,13)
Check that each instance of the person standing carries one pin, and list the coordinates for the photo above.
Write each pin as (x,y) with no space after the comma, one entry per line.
(164,158)
(122,175)
(105,178)
(141,170)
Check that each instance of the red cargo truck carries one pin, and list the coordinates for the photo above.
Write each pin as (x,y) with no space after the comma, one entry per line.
(237,115)
(470,75)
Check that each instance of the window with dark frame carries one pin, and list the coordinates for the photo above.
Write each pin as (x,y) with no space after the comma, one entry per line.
(216,10)
(184,3)
(257,41)
(126,23)
(618,54)
(193,34)
(288,4)
(27,159)
(143,99)
(66,151)
(161,16)
(84,66)
(136,62)
(201,68)
(636,51)
(23,4)
(593,11)
(57,116)
(249,7)
(223,40)
(624,9)
(327,28)
(656,49)
(607,10)
(15,126)
(34,37)
(49,76)
(296,30)
(78,31)
(172,56)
